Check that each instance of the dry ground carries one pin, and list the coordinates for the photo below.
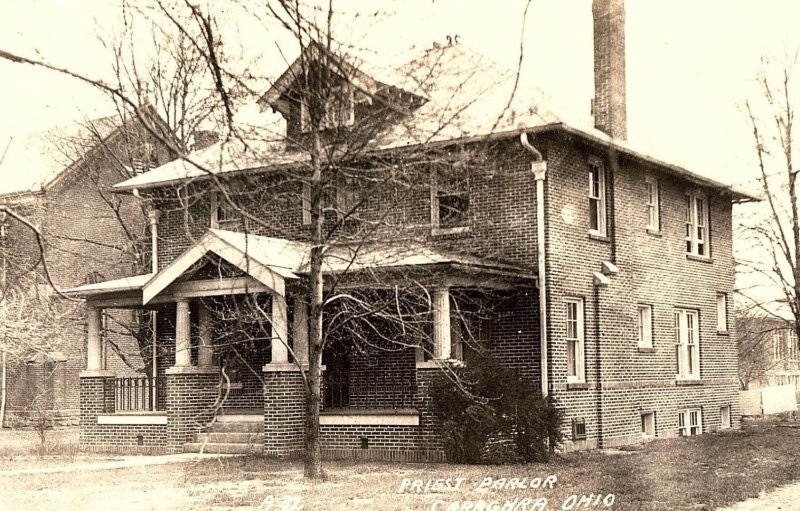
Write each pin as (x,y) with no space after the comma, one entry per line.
(691,473)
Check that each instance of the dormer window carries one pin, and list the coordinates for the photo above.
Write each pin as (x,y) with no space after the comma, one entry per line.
(339,109)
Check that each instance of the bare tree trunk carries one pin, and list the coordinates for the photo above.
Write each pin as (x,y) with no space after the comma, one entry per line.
(4,366)
(313,455)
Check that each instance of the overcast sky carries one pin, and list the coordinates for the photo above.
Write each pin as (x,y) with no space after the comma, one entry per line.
(691,63)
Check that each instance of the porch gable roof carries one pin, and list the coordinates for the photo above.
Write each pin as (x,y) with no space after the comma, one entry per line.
(268,260)
(271,261)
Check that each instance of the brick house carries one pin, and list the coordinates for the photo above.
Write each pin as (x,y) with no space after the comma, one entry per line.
(58,179)
(610,271)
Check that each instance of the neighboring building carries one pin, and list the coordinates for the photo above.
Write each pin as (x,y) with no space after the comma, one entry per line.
(769,354)
(609,271)
(59,180)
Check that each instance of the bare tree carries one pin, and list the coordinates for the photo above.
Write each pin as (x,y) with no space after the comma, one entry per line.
(773,233)
(329,148)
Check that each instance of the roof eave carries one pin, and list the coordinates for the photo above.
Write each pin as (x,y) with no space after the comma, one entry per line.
(737,195)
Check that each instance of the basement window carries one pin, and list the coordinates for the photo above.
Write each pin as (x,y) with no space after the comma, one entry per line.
(725,417)
(690,422)
(648,425)
(578,428)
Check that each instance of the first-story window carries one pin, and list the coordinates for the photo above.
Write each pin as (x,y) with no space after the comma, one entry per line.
(597,199)
(450,200)
(697,225)
(687,344)
(644,326)
(575,337)
(690,422)
(722,312)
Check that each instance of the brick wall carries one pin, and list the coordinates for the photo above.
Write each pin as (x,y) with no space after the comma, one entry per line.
(191,400)
(653,269)
(621,381)
(284,414)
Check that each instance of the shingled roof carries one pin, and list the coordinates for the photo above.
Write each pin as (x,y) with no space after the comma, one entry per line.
(468,97)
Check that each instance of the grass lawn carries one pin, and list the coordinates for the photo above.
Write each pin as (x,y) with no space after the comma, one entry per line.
(690,473)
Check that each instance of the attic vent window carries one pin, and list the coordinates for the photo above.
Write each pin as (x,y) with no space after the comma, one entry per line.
(144,158)
(339,109)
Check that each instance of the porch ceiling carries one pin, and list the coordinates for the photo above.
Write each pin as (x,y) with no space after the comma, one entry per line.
(270,261)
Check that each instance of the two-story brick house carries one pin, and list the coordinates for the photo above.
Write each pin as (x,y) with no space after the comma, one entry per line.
(609,270)
(59,181)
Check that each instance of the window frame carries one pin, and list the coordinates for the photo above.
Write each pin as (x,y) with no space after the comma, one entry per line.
(597,201)
(652,205)
(644,330)
(685,425)
(687,347)
(697,244)
(722,313)
(437,193)
(579,340)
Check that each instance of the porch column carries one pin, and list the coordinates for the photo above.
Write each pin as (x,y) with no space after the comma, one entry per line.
(441,324)
(300,330)
(94,348)
(205,351)
(280,330)
(183,351)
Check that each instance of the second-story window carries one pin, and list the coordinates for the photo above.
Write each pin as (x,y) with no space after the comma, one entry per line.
(687,344)
(697,225)
(223,214)
(450,200)
(653,213)
(597,198)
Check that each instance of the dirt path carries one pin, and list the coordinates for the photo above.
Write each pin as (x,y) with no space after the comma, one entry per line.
(125,462)
(785,498)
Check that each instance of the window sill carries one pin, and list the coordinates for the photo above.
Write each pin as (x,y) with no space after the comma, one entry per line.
(577,386)
(641,349)
(654,232)
(439,363)
(596,236)
(723,332)
(685,382)
(700,259)
(445,231)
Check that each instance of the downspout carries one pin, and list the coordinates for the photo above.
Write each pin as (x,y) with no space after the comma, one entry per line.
(539,169)
(154,215)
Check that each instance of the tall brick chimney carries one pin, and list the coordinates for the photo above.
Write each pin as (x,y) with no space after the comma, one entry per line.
(609,67)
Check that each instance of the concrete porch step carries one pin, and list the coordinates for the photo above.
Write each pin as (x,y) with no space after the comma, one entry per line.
(250,417)
(236,427)
(230,438)
(223,448)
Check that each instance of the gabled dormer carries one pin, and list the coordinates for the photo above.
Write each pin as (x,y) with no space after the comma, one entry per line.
(347,92)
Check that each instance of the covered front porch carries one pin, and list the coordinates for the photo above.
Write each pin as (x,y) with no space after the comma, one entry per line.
(228,330)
